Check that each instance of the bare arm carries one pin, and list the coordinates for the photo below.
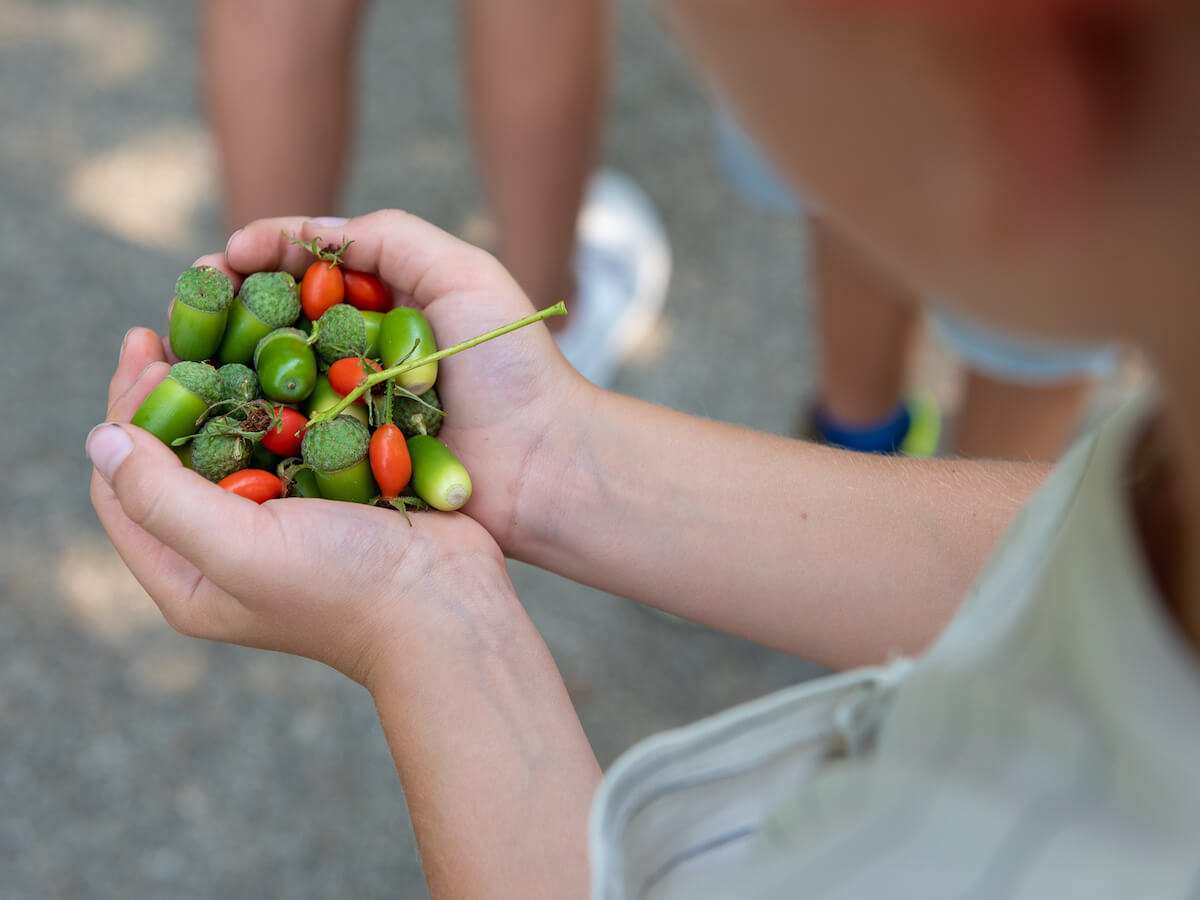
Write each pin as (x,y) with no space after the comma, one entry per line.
(838,557)
(495,766)
(496,769)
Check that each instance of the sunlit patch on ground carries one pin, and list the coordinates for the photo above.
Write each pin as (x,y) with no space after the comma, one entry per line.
(104,597)
(106,601)
(148,190)
(168,670)
(107,47)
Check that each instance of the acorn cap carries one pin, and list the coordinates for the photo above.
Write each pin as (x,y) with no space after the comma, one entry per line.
(414,417)
(205,288)
(335,445)
(199,378)
(341,332)
(220,449)
(238,383)
(272,297)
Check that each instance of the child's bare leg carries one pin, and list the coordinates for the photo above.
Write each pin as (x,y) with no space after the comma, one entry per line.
(535,74)
(278,82)
(865,326)
(1007,420)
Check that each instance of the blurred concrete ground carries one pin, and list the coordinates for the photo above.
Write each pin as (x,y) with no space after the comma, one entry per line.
(135,763)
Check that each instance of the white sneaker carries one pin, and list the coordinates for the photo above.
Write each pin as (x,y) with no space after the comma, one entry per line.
(622,266)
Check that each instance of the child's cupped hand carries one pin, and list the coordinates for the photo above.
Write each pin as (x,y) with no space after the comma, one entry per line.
(351,585)
(508,401)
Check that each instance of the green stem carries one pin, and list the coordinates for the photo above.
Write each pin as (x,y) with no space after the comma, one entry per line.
(558,309)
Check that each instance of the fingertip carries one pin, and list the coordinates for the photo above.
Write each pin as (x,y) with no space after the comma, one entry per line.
(266,245)
(107,446)
(125,343)
(140,348)
(232,239)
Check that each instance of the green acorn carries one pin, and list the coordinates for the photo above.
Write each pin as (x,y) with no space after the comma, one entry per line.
(267,300)
(202,298)
(220,448)
(340,332)
(336,450)
(415,416)
(239,384)
(177,404)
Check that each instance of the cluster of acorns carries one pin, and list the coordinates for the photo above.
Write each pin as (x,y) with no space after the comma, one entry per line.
(249,405)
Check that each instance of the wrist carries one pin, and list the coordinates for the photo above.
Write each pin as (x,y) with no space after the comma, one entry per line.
(557,474)
(471,610)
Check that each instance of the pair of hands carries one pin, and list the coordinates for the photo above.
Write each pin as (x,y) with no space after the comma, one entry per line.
(349,585)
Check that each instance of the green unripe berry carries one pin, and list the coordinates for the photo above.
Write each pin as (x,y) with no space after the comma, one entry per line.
(373,322)
(220,448)
(403,328)
(438,477)
(286,366)
(341,332)
(203,295)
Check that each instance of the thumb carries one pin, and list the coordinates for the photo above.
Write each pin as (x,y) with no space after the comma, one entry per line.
(178,507)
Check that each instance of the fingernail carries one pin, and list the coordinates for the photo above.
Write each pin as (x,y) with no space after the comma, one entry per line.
(124,341)
(230,241)
(328,221)
(107,446)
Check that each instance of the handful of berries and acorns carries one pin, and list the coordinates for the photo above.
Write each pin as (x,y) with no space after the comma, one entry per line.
(316,389)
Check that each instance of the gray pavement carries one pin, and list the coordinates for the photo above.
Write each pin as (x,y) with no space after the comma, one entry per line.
(136,763)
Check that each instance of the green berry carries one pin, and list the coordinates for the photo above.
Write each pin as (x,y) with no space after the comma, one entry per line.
(438,477)
(220,448)
(341,332)
(405,331)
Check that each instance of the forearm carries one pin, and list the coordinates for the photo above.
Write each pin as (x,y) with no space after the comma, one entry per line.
(837,557)
(496,769)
